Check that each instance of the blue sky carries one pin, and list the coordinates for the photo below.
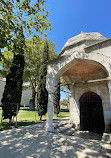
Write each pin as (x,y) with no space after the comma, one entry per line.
(70,17)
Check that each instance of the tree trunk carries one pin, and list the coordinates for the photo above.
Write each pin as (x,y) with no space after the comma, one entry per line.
(41,118)
(13,88)
(10,121)
(32,100)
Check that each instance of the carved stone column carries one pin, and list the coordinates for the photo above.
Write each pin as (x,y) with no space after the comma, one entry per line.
(109,86)
(49,122)
(74,111)
(107,110)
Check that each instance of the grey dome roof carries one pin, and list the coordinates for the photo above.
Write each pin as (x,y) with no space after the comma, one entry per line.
(93,36)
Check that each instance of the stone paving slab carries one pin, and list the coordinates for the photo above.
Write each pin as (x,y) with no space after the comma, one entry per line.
(34,142)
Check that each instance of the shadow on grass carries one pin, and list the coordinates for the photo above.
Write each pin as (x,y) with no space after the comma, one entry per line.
(59,117)
(64,110)
(25,109)
(6,126)
(25,123)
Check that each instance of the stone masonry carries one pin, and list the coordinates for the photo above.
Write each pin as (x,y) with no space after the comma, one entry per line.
(85,64)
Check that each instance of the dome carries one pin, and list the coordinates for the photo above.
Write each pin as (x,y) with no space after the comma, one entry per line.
(93,36)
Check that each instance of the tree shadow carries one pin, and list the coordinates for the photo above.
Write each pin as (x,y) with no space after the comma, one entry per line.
(64,110)
(6,126)
(27,109)
(34,142)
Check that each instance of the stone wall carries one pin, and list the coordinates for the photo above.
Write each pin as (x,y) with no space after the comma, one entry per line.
(90,53)
(2,85)
(100,88)
(26,94)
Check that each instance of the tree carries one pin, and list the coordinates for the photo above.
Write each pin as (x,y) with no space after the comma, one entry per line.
(13,89)
(28,14)
(64,102)
(19,18)
(57,99)
(33,60)
(6,62)
(42,94)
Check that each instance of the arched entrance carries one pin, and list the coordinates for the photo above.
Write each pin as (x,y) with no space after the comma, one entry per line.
(91,113)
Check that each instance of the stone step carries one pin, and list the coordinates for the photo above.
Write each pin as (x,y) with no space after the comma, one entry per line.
(88,135)
(80,134)
(63,124)
(66,128)
(106,138)
(67,131)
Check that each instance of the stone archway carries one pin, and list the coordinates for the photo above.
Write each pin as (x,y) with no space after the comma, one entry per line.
(79,63)
(91,113)
(86,70)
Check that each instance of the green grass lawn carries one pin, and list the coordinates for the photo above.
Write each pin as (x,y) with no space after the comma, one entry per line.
(28,117)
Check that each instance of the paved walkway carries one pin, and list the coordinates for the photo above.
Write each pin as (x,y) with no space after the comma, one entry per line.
(33,142)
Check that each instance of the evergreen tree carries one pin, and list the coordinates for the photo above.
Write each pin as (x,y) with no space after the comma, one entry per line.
(13,88)
(57,99)
(18,18)
(33,60)
(42,94)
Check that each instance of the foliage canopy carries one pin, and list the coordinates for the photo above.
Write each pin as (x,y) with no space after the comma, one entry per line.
(26,14)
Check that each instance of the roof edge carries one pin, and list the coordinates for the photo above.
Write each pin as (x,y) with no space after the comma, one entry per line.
(74,44)
(97,45)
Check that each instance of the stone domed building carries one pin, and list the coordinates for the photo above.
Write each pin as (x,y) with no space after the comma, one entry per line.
(85,64)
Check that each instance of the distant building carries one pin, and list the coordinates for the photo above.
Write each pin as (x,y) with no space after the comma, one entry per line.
(26,94)
(2,85)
